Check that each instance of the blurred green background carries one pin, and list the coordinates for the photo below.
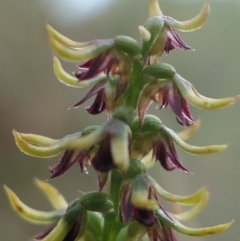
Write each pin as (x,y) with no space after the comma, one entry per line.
(33,101)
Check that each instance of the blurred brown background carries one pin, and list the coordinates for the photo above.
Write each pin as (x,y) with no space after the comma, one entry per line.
(33,101)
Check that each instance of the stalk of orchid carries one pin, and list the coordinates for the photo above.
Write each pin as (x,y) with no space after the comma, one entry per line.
(126,78)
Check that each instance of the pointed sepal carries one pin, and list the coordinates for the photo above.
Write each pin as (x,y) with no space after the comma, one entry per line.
(177,226)
(193,149)
(154,8)
(195,210)
(70,80)
(64,40)
(31,214)
(52,194)
(192,24)
(193,97)
(183,200)
(81,56)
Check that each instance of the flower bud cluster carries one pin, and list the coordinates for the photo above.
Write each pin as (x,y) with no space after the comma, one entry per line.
(126,78)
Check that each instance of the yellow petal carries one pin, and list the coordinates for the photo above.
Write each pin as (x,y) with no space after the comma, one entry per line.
(187,133)
(192,24)
(177,226)
(120,150)
(37,151)
(80,56)
(64,40)
(52,194)
(72,55)
(185,216)
(154,8)
(184,200)
(193,149)
(40,140)
(69,142)
(65,224)
(148,160)
(86,141)
(194,98)
(146,35)
(70,80)
(139,201)
(31,214)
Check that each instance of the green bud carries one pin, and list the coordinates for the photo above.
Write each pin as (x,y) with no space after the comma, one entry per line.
(97,202)
(136,167)
(155,25)
(159,71)
(88,130)
(146,35)
(144,138)
(124,113)
(151,124)
(127,45)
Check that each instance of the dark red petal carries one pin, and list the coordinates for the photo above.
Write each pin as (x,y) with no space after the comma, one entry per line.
(83,158)
(99,104)
(63,165)
(164,99)
(126,208)
(73,233)
(97,65)
(179,106)
(96,88)
(172,154)
(67,160)
(86,64)
(169,46)
(160,154)
(121,86)
(143,216)
(102,179)
(174,41)
(186,112)
(103,161)
(146,98)
(168,232)
(42,235)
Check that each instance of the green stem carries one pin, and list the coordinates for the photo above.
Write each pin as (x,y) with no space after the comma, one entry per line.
(115,189)
(112,227)
(112,223)
(134,88)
